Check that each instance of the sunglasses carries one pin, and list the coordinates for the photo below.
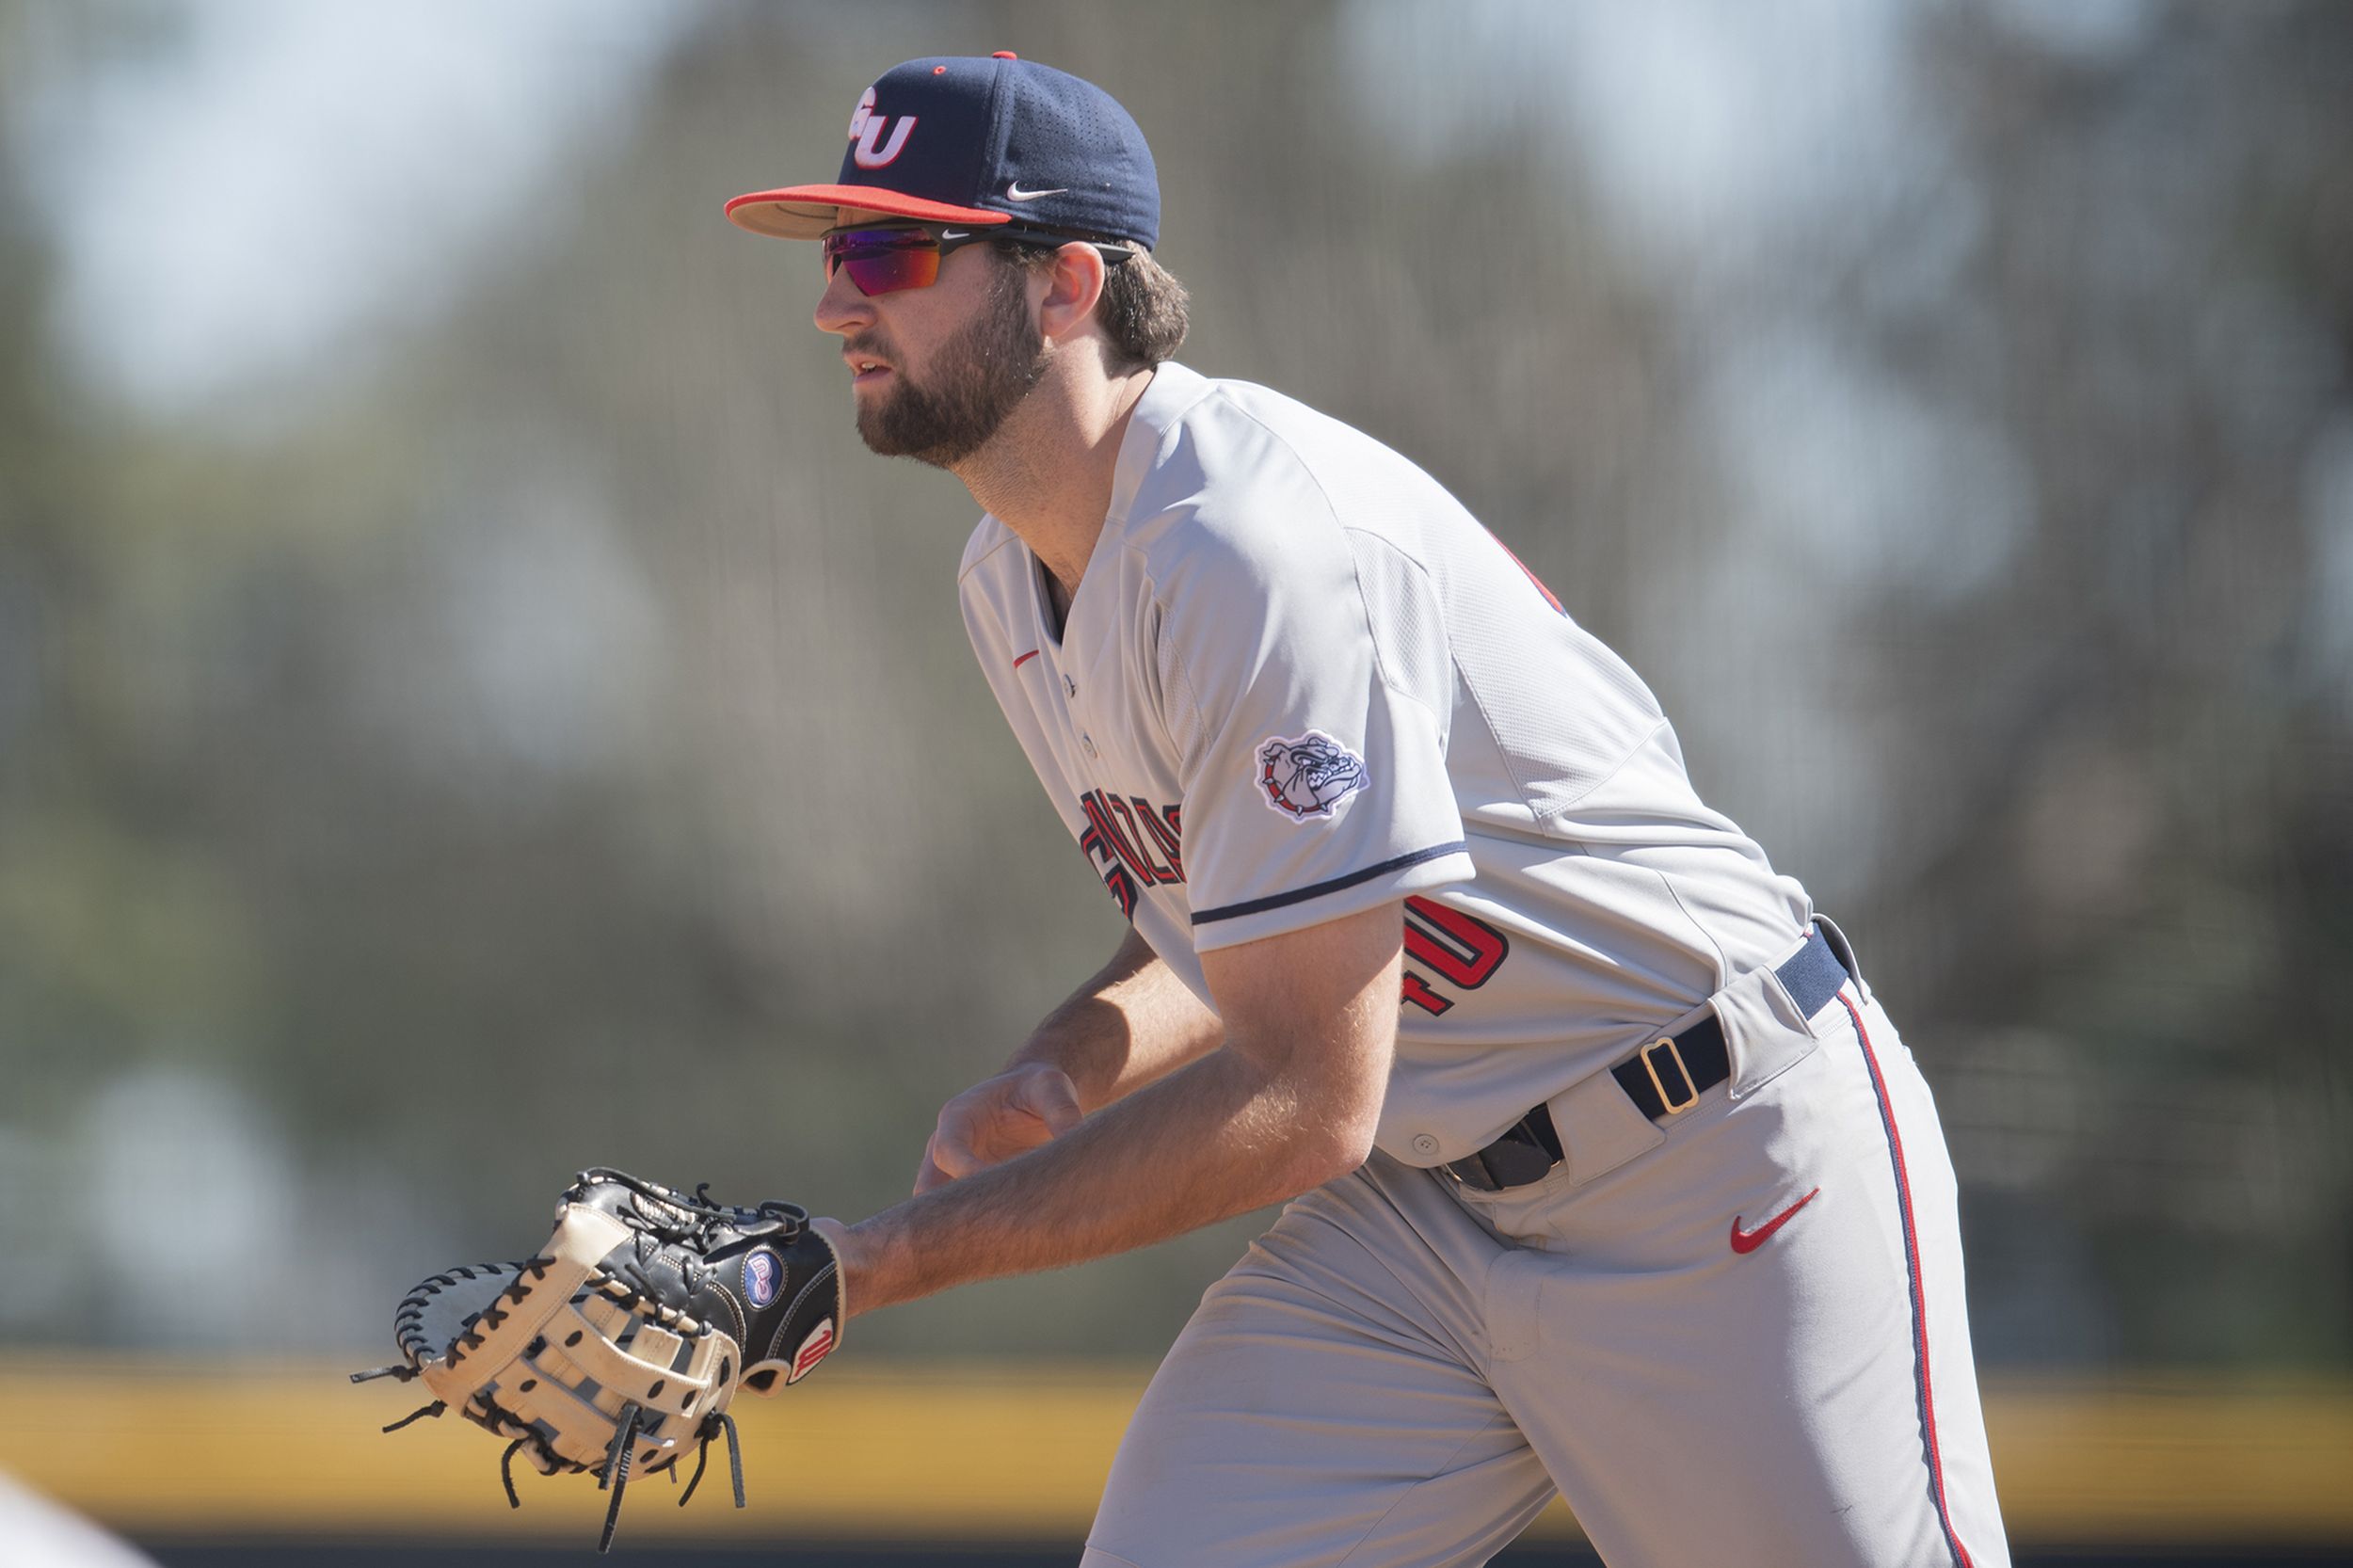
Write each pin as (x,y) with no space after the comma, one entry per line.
(907,256)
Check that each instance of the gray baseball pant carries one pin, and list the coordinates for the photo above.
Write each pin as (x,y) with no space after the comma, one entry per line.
(1401,1371)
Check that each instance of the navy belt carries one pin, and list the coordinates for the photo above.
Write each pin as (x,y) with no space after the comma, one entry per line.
(1664,1078)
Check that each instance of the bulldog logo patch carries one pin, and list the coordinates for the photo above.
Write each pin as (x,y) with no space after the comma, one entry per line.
(1308,777)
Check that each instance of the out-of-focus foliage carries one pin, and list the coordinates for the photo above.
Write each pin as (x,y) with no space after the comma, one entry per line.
(535,733)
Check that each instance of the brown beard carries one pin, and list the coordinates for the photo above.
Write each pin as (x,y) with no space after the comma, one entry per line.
(977,379)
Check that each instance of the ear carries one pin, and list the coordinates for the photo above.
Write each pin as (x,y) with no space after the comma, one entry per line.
(1073,285)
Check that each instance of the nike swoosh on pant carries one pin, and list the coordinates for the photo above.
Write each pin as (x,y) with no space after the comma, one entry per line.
(1749,1240)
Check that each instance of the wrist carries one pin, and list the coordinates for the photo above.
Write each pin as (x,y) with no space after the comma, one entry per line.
(860,1252)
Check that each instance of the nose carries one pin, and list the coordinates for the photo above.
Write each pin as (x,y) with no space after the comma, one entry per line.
(841,309)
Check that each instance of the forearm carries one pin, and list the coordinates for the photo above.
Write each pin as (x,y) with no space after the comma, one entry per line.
(1290,1101)
(1132,1023)
(1224,1136)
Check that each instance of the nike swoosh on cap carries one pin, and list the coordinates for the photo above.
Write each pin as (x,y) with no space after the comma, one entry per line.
(1014,193)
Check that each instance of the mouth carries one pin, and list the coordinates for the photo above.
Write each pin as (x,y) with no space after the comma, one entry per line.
(865,369)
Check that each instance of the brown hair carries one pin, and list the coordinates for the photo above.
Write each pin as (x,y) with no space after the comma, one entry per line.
(1144,308)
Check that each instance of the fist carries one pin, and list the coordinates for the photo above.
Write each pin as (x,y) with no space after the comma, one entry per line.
(996,1119)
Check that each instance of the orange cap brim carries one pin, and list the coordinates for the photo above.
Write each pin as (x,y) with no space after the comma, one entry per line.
(806,211)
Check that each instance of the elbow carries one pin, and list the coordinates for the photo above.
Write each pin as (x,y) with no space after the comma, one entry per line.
(1348,1152)
(1349,1141)
(1335,1142)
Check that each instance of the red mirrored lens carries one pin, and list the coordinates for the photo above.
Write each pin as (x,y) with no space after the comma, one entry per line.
(884,260)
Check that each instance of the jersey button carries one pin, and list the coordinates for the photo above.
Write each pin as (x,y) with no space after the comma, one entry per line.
(1424,1144)
(1086,744)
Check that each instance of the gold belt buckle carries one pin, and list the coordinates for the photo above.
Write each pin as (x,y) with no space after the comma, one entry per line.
(1650,1066)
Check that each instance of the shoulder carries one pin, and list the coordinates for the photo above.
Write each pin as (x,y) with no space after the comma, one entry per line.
(1252,492)
(1236,442)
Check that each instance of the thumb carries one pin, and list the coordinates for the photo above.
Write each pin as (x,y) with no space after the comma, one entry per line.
(1053,1098)
(931,1174)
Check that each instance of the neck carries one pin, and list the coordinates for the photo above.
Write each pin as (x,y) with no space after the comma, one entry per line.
(1048,472)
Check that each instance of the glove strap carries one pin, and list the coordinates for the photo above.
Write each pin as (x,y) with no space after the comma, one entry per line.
(802,1324)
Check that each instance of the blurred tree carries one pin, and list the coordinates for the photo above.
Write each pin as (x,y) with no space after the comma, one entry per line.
(2130,814)
(543,736)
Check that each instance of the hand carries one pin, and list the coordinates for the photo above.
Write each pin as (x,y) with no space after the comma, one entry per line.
(996,1119)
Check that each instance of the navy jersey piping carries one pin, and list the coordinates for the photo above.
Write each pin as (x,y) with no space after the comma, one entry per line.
(1277,901)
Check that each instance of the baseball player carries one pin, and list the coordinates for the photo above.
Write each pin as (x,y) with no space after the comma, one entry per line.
(1603,1168)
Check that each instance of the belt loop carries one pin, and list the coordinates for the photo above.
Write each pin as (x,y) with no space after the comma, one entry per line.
(1844,952)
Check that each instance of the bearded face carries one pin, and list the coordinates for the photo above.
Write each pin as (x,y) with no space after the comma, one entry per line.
(976,378)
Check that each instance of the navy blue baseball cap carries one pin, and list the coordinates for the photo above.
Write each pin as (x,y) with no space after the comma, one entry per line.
(980,141)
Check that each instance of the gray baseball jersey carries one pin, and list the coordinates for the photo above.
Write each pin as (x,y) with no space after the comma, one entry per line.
(1299,681)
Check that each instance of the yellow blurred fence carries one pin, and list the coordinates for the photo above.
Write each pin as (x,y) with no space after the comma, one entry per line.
(1017,1452)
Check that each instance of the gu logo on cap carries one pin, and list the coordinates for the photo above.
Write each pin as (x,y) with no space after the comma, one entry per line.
(867,129)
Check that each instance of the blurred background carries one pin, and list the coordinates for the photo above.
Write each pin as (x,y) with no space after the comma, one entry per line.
(471,709)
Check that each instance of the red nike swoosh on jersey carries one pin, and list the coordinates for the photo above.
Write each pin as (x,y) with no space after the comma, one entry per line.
(1749,1240)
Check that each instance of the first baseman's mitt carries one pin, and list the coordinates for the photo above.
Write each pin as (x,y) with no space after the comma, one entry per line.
(626,1339)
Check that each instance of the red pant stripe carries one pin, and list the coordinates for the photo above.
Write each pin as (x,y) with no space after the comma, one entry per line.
(1919,1301)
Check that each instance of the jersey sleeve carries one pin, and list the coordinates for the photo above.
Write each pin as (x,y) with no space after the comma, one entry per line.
(1307,702)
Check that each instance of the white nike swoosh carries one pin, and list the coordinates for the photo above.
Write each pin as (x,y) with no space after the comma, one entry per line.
(954,233)
(1014,193)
